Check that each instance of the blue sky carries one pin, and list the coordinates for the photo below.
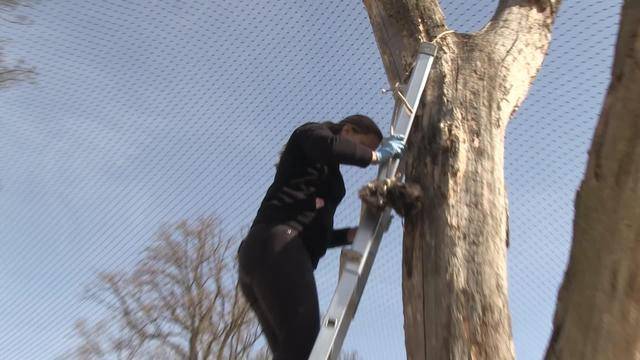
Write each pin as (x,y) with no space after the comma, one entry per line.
(148,112)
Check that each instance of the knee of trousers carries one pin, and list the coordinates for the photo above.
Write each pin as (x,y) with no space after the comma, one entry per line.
(298,345)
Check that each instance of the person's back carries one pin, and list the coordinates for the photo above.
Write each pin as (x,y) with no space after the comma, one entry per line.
(306,172)
(288,199)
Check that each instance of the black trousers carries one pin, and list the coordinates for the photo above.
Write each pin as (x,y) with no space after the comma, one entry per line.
(276,278)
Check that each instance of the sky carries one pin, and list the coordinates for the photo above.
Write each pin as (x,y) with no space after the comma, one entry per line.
(145,113)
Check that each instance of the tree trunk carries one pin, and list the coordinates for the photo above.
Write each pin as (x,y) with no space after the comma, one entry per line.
(598,311)
(454,252)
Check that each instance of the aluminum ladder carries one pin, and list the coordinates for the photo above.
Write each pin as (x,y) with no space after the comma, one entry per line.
(358,258)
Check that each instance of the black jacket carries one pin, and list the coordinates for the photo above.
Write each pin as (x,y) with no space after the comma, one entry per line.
(308,168)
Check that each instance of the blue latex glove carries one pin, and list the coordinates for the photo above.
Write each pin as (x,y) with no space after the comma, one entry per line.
(391,147)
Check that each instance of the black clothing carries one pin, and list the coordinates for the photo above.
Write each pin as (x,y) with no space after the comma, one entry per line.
(276,278)
(309,168)
(289,235)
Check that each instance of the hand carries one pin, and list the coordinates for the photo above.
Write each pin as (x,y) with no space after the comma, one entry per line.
(391,147)
(319,202)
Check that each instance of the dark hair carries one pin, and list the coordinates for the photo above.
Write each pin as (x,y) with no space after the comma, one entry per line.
(361,124)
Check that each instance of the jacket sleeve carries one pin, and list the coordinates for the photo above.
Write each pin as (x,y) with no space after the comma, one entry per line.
(338,237)
(321,145)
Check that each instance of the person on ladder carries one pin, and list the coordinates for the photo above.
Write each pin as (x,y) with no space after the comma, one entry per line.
(293,227)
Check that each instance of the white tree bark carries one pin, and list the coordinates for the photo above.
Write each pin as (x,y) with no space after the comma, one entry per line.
(454,260)
(598,311)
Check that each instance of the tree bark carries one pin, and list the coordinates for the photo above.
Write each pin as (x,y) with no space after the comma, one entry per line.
(598,311)
(454,250)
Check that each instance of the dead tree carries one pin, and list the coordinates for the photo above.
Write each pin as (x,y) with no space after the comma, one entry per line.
(178,302)
(454,263)
(598,311)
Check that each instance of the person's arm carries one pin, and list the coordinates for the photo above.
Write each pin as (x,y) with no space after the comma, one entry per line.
(321,145)
(341,237)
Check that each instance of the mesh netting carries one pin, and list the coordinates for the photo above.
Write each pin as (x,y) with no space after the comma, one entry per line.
(149,112)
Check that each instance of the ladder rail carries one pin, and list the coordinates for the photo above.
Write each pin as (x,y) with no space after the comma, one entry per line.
(404,119)
(373,224)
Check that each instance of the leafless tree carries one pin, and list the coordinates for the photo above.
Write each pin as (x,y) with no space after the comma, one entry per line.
(181,301)
(18,71)
(598,311)
(454,249)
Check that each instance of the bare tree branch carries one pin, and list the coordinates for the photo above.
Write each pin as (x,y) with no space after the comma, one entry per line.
(177,302)
(507,8)
(7,6)
(10,74)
